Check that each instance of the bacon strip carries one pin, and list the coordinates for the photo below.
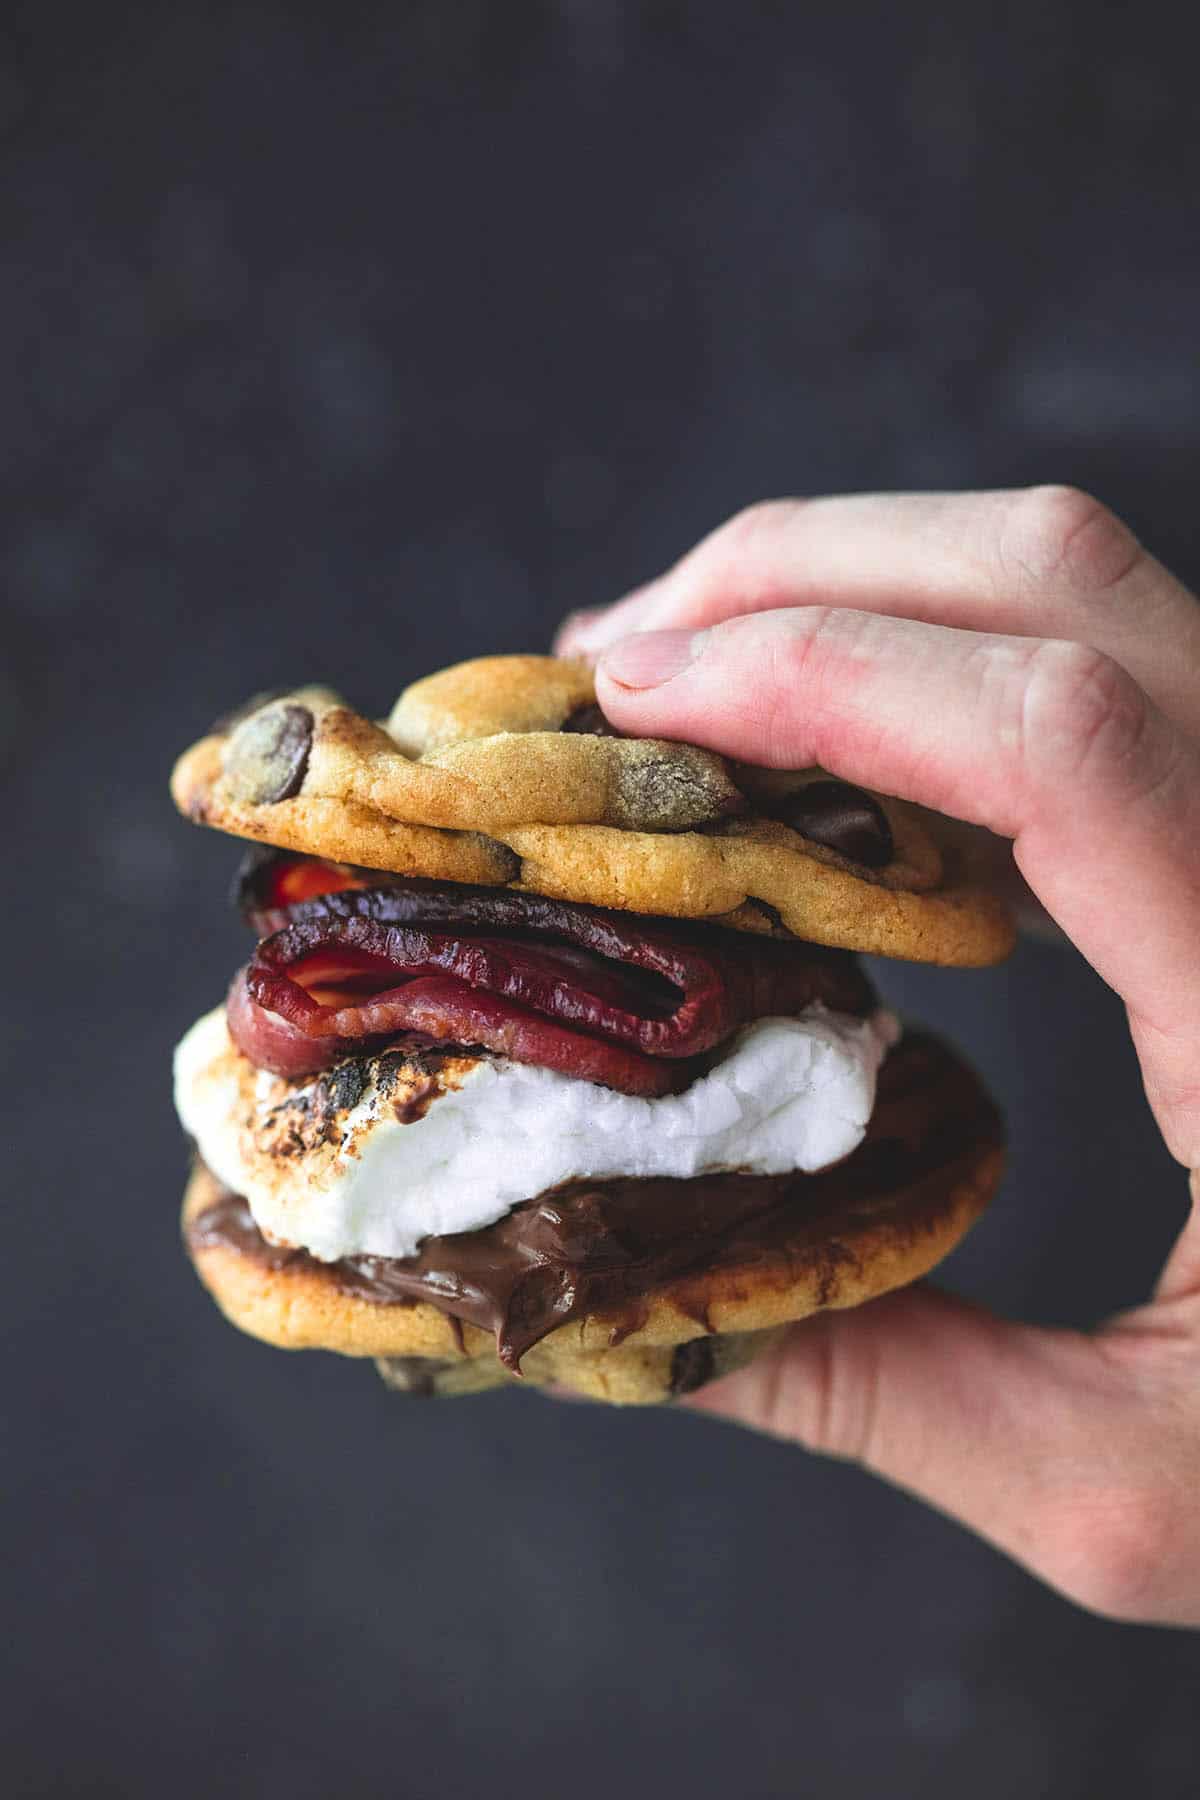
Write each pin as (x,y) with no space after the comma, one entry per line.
(443,1010)
(603,996)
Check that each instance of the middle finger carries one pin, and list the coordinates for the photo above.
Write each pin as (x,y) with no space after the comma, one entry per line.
(1037,562)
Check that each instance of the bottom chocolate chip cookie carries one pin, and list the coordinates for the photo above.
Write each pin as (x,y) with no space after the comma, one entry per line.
(639,1376)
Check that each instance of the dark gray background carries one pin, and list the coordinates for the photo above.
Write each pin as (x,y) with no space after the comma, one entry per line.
(339,343)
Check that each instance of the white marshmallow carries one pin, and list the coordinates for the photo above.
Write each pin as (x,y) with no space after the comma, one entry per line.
(788,1094)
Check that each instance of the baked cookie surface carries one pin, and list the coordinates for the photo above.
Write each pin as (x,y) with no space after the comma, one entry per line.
(494,773)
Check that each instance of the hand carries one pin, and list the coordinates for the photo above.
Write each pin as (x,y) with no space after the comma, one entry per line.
(1018,661)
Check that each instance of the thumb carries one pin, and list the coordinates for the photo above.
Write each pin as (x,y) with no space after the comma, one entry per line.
(1040,1441)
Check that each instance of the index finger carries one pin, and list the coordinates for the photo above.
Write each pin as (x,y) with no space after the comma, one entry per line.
(1046,742)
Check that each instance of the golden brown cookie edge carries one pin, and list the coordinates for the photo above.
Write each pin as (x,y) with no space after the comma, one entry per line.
(684,875)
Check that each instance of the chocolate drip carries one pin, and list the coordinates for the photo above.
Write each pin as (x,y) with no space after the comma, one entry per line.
(605,1247)
(229,1224)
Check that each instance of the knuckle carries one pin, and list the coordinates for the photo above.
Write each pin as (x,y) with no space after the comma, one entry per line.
(1081,712)
(747,529)
(1114,1552)
(1060,537)
(747,547)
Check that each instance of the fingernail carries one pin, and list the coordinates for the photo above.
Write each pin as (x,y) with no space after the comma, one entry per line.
(650,658)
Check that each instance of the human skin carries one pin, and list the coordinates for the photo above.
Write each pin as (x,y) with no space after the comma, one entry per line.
(1018,661)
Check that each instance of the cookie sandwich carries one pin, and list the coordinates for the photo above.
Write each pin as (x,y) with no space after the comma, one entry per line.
(552,1060)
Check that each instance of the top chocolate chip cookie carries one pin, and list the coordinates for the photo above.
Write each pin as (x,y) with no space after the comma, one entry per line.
(503,771)
(489,743)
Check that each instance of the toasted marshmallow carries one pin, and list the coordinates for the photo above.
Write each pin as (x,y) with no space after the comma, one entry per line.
(383,1151)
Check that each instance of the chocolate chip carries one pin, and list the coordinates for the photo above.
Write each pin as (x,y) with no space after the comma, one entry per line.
(842,818)
(416,1375)
(771,917)
(691,1366)
(507,861)
(267,755)
(591,720)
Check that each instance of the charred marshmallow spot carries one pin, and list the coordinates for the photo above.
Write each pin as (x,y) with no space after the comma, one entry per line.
(436,1144)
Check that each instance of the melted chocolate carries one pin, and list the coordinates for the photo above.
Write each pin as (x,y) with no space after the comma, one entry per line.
(842,818)
(589,720)
(692,1365)
(606,1247)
